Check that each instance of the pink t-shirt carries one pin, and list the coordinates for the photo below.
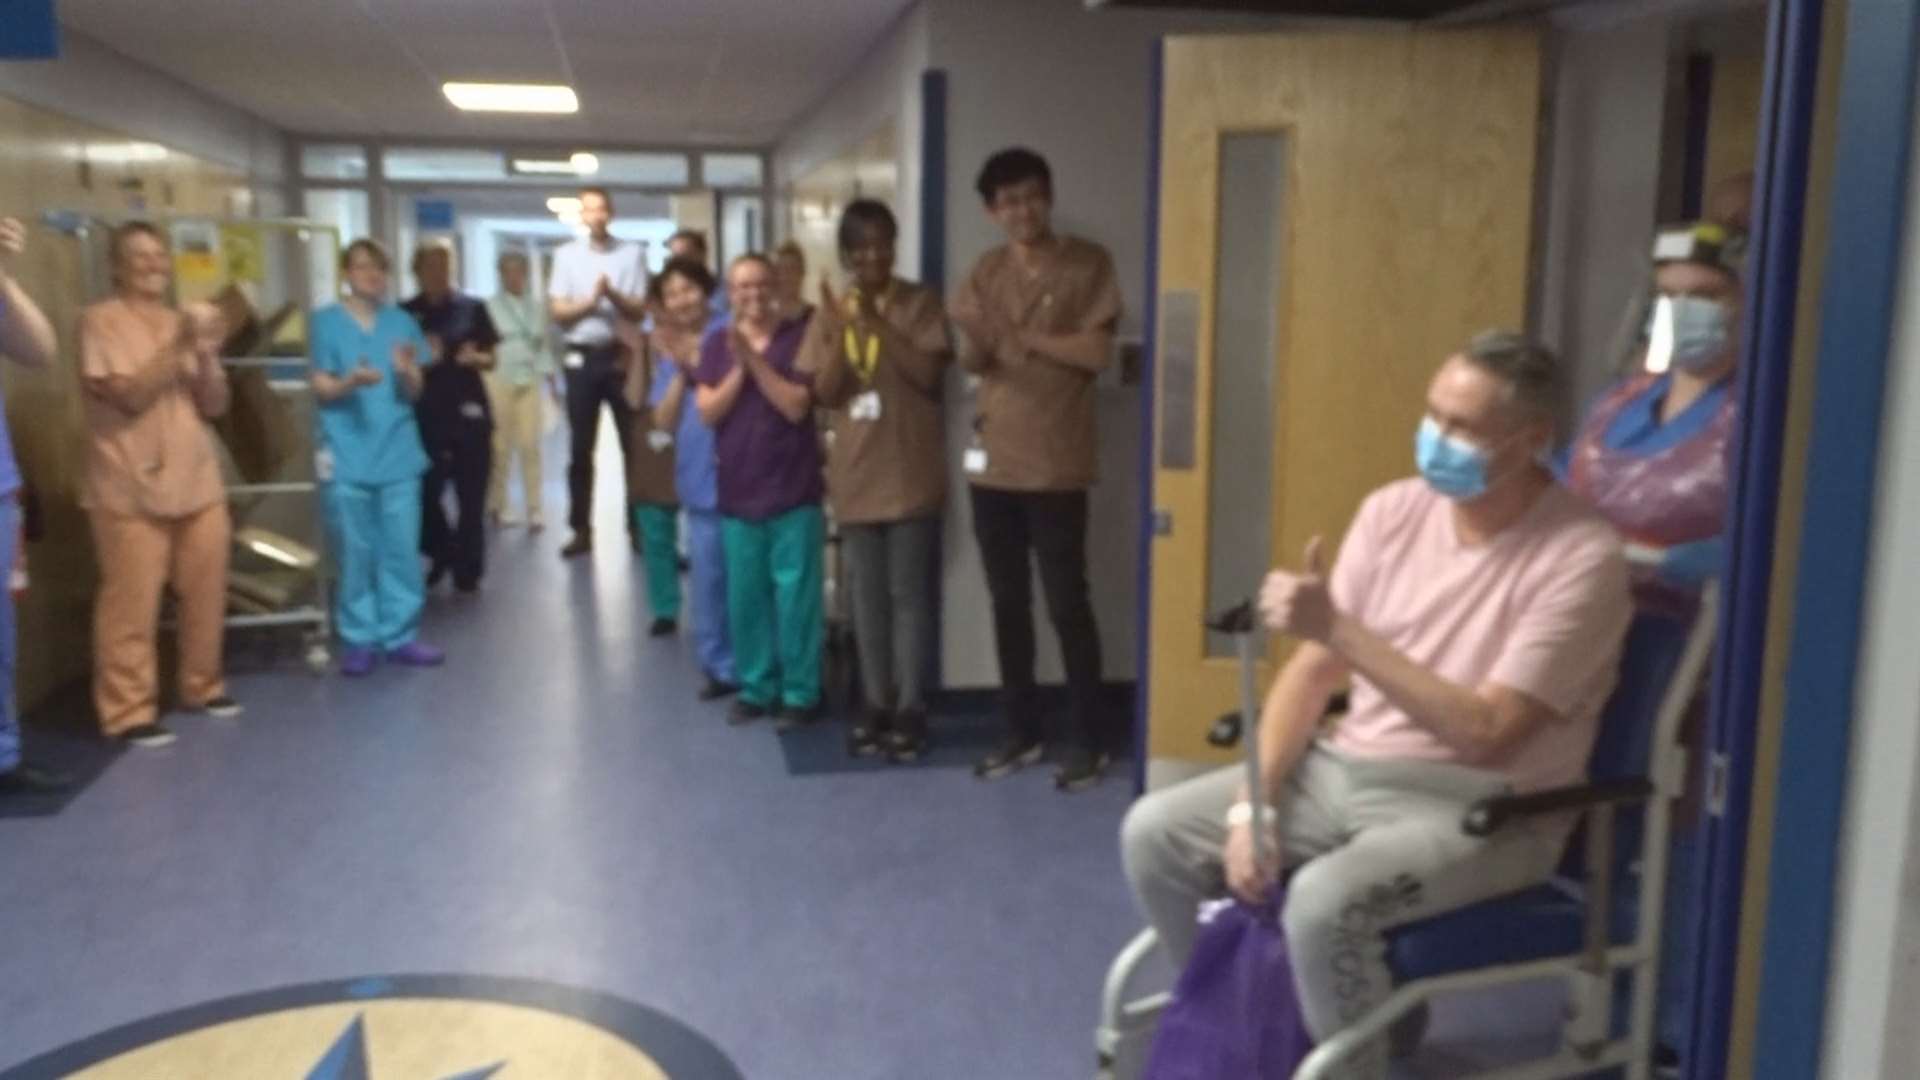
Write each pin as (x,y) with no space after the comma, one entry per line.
(1541,608)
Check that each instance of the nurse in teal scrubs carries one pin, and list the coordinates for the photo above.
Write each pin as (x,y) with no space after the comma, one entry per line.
(367,360)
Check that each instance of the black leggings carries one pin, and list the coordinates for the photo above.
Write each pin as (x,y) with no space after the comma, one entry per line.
(463,463)
(1052,526)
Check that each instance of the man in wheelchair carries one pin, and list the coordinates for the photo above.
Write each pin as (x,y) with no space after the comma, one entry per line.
(1478,613)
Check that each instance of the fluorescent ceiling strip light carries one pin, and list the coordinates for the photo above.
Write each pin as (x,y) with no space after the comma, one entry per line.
(582,164)
(511,97)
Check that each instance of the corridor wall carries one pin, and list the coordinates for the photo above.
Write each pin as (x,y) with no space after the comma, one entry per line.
(94,132)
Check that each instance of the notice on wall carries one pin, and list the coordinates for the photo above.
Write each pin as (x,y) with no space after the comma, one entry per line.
(241,252)
(196,260)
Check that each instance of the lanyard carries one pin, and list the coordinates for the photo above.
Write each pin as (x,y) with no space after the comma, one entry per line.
(863,361)
(511,304)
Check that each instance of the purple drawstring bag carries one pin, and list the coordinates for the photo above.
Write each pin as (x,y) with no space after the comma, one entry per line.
(1234,1015)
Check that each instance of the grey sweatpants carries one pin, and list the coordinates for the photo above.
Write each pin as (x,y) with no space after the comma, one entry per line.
(890,569)
(1372,844)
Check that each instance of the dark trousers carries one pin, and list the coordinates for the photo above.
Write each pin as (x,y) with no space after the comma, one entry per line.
(1052,527)
(463,463)
(890,577)
(595,383)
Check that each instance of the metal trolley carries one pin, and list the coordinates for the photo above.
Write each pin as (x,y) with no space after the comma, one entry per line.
(266,275)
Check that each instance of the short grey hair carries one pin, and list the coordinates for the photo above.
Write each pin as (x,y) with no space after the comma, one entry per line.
(1529,369)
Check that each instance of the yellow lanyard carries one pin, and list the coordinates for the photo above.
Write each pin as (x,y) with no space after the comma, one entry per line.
(863,361)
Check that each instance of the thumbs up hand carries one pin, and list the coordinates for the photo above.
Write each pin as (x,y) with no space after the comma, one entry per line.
(1299,604)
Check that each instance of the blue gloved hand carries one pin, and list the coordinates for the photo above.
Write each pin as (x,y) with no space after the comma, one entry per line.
(1690,565)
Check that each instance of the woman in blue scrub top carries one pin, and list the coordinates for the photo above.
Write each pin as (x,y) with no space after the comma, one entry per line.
(1652,455)
(1652,458)
(682,298)
(367,356)
(26,338)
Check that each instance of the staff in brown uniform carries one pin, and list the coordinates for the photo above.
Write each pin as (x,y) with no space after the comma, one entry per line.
(1040,313)
(878,357)
(651,497)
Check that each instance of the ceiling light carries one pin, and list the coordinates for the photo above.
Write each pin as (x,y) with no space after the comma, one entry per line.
(511,97)
(127,153)
(581,164)
(564,205)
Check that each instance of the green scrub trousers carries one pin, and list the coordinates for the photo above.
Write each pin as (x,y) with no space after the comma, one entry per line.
(775,606)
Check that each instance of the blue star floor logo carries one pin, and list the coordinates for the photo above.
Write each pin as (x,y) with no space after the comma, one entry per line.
(404,1027)
(347,1059)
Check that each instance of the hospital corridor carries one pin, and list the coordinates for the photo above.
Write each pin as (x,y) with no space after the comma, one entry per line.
(959,539)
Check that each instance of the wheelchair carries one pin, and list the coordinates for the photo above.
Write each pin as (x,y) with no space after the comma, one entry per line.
(1595,926)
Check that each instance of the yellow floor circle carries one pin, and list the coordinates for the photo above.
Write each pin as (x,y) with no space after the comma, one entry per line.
(407,1038)
(403,1027)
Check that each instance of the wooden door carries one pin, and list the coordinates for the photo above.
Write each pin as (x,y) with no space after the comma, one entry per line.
(1338,212)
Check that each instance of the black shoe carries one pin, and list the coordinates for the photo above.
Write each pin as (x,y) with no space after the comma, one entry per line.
(864,739)
(467,588)
(683,564)
(437,574)
(581,544)
(151,736)
(27,780)
(1082,770)
(1016,753)
(907,742)
(663,628)
(716,689)
(788,717)
(746,712)
(223,707)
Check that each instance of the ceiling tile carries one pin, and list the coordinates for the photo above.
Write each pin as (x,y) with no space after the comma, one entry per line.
(651,71)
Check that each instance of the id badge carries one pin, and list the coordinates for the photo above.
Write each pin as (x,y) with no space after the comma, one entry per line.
(974,461)
(575,360)
(658,440)
(473,410)
(323,465)
(866,407)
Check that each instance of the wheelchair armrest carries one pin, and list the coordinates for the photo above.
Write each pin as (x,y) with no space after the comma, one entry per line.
(1225,732)
(1488,816)
(1237,619)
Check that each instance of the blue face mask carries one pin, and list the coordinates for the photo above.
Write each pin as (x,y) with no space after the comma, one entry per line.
(1452,467)
(1700,333)
(1693,330)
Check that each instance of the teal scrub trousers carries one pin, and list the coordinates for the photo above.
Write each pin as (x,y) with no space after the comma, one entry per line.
(376,544)
(775,607)
(659,529)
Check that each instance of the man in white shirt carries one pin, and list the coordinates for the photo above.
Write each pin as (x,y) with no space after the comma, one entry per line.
(596,295)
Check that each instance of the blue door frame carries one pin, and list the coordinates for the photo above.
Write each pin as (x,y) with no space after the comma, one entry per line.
(1772,298)
(1862,271)
(1856,294)
(1149,386)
